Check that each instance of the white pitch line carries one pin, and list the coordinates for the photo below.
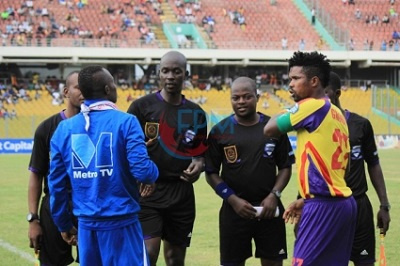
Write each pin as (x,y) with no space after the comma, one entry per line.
(17,251)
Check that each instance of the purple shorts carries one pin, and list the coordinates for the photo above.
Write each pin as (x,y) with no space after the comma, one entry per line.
(326,232)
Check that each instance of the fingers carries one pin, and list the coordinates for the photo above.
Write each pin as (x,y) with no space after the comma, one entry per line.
(146,190)
(291,217)
(34,243)
(190,176)
(150,142)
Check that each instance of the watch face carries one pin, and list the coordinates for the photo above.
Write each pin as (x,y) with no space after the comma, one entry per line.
(31,216)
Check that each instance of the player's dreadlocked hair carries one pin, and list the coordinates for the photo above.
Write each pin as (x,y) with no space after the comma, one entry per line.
(314,64)
(90,84)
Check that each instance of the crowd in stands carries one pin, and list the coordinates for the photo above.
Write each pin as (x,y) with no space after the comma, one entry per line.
(39,23)
(187,10)
(237,17)
(27,90)
(379,20)
(30,23)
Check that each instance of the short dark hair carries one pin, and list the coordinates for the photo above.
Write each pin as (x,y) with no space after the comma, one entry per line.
(334,81)
(249,81)
(89,84)
(69,75)
(314,64)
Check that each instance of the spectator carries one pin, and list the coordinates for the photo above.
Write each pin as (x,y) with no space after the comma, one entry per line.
(392,12)
(366,45)
(13,114)
(313,16)
(358,14)
(284,43)
(383,45)
(367,19)
(390,45)
(197,6)
(351,45)
(385,19)
(302,45)
(396,45)
(242,22)
(395,35)
(371,45)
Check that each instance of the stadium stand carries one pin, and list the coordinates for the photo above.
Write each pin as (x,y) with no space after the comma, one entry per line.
(265,24)
(364,21)
(103,23)
(98,23)
(215,102)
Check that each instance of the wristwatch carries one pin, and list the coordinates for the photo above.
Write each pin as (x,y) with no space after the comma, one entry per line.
(277,193)
(31,217)
(385,207)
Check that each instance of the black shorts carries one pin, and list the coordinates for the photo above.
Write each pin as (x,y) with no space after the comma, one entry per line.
(169,213)
(53,249)
(236,234)
(363,250)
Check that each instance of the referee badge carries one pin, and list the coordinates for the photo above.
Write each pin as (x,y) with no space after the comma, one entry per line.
(231,153)
(269,150)
(151,130)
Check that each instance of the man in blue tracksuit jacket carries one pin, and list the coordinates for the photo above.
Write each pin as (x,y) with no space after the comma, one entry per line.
(102,153)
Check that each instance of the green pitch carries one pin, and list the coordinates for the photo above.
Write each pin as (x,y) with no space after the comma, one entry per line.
(204,250)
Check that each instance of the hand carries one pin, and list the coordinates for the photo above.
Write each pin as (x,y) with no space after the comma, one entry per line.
(150,142)
(146,190)
(243,208)
(293,212)
(269,205)
(35,235)
(383,218)
(192,173)
(71,236)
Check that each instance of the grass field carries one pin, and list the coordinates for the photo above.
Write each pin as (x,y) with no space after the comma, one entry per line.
(15,251)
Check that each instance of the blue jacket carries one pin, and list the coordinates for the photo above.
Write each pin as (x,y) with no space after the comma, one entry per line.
(103,165)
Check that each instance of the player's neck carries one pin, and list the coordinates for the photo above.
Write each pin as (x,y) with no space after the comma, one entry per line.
(172,98)
(70,111)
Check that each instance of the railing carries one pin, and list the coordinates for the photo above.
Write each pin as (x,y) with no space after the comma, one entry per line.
(82,42)
(342,36)
(118,43)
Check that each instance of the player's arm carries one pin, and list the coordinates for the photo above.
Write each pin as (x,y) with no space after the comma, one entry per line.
(242,207)
(376,176)
(34,193)
(192,173)
(278,125)
(271,201)
(213,163)
(141,167)
(57,182)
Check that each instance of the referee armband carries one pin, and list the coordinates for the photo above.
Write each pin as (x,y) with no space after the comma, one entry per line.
(223,190)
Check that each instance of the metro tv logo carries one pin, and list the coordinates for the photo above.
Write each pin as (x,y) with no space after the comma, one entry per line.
(91,160)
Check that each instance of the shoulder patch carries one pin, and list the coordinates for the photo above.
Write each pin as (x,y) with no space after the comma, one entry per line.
(294,109)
